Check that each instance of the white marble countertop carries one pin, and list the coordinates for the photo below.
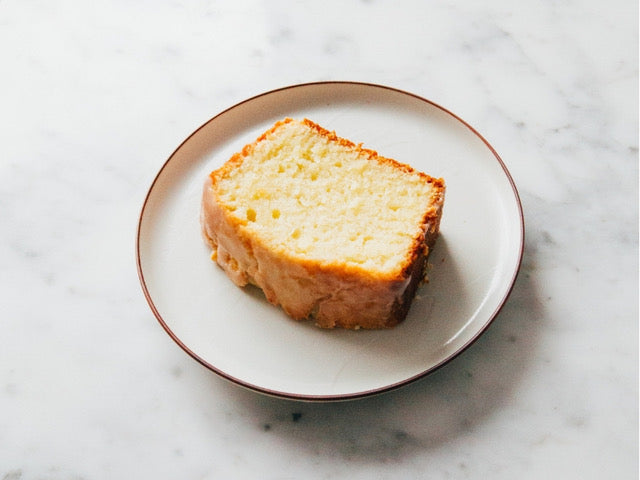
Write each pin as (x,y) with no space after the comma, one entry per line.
(96,95)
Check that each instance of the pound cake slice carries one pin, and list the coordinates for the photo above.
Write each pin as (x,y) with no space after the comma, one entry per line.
(327,229)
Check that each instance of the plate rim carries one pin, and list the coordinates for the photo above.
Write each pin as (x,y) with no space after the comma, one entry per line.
(341,396)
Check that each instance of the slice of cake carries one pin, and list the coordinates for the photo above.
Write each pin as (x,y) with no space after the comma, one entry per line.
(327,229)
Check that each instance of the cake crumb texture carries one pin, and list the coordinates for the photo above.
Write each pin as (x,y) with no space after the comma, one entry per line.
(327,228)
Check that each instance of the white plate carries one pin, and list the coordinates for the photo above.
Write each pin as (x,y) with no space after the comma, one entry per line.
(239,335)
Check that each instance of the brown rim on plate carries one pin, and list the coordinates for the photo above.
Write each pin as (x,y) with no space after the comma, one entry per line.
(359,394)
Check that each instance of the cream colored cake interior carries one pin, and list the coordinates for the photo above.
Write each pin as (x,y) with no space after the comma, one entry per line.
(305,195)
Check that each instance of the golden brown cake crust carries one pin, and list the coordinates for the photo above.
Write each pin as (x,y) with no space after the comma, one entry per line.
(332,294)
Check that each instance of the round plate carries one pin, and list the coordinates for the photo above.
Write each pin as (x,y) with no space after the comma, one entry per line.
(237,334)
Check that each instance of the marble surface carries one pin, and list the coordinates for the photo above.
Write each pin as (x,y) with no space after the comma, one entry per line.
(96,95)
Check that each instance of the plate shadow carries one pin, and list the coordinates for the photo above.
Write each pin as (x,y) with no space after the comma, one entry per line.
(421,416)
